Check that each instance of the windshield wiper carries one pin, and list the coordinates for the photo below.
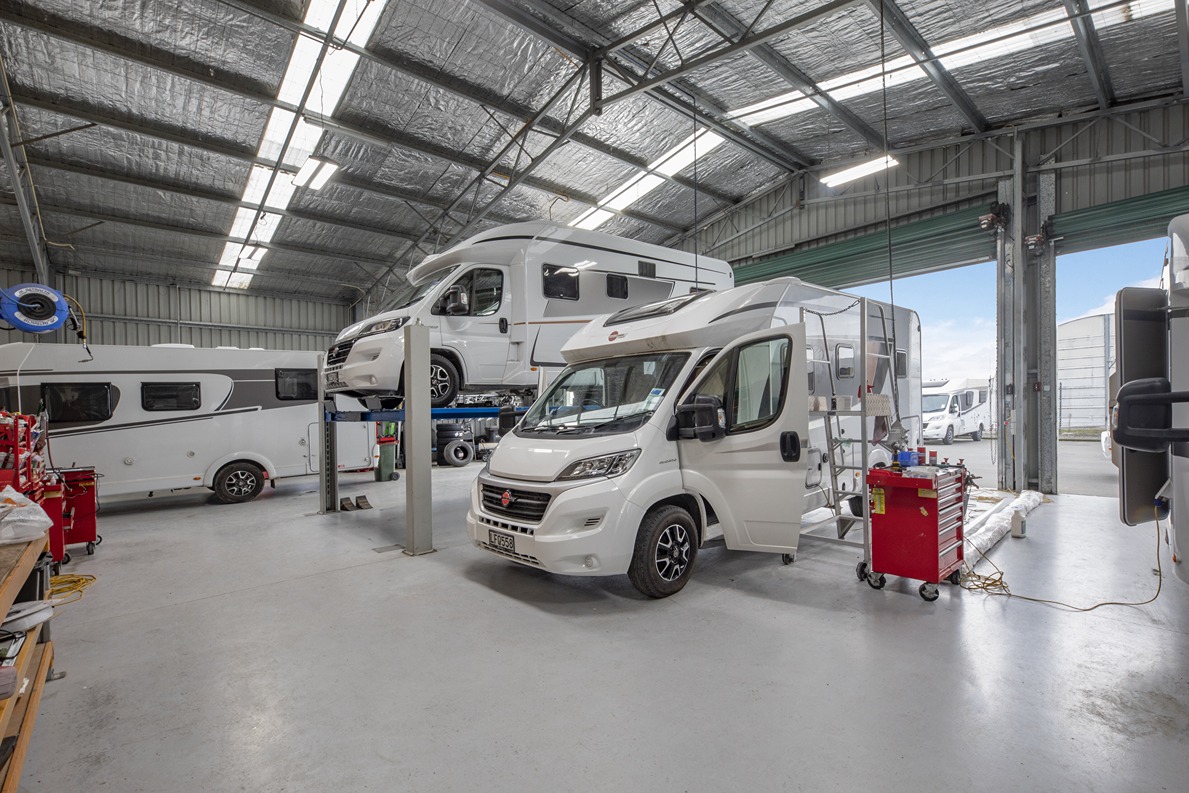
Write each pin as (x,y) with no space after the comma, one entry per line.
(599,425)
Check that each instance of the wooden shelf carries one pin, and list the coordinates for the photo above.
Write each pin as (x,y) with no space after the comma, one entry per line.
(25,709)
(16,562)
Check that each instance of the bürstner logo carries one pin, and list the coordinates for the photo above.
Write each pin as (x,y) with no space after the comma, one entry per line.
(614,335)
(507,498)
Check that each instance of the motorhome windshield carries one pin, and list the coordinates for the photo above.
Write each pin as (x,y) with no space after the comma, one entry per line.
(410,294)
(605,397)
(934,403)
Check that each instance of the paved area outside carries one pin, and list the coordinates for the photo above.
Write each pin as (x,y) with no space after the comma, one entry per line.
(1081,468)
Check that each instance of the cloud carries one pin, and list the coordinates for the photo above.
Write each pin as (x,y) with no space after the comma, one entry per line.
(1108,303)
(958,350)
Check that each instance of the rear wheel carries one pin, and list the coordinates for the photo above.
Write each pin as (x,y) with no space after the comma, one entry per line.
(666,548)
(977,435)
(238,482)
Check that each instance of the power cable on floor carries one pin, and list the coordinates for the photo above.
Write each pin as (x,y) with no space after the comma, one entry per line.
(995,584)
(68,588)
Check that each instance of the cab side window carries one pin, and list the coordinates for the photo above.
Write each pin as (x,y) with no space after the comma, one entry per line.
(751,383)
(480,291)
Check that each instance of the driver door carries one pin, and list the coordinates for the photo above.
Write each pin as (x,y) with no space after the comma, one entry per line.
(754,475)
(479,329)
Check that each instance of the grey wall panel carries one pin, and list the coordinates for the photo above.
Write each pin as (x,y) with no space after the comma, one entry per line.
(127,312)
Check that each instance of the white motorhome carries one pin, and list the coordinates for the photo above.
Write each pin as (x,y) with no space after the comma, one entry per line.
(1150,417)
(500,305)
(167,417)
(686,420)
(955,408)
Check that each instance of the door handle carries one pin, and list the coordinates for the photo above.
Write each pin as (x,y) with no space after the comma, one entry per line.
(503,324)
(790,447)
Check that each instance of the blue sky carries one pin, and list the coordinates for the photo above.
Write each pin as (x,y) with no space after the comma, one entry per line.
(957,307)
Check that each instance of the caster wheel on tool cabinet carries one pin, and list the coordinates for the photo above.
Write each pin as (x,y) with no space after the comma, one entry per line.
(861,571)
(788,558)
(65,559)
(90,549)
(99,539)
(955,577)
(876,580)
(929,592)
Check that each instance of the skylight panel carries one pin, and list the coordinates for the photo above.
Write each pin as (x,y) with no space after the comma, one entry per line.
(336,71)
(303,144)
(265,227)
(356,23)
(220,277)
(1016,40)
(859,171)
(239,280)
(634,191)
(1127,12)
(591,219)
(301,66)
(683,155)
(278,197)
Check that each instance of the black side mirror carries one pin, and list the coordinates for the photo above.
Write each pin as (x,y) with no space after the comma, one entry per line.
(704,419)
(953,409)
(1142,419)
(456,301)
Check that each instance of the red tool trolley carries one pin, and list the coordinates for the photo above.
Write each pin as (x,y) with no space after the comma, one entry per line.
(917,519)
(72,502)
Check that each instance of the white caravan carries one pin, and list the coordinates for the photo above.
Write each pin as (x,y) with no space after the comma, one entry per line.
(1150,418)
(686,420)
(167,417)
(500,305)
(958,407)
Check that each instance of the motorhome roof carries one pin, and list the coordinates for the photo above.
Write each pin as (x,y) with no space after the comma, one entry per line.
(502,243)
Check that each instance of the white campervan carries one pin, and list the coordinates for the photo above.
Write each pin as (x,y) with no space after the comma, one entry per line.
(686,420)
(958,407)
(168,417)
(500,305)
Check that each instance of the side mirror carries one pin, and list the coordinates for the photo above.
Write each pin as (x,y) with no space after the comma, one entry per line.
(954,409)
(704,419)
(1142,418)
(456,301)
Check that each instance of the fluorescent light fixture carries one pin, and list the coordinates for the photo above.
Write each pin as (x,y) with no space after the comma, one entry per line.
(220,277)
(859,171)
(315,171)
(591,219)
(239,280)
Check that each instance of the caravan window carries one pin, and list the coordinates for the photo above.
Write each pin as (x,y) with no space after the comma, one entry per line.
(982,395)
(170,396)
(901,363)
(617,287)
(560,283)
(844,361)
(67,402)
(809,367)
(967,400)
(296,384)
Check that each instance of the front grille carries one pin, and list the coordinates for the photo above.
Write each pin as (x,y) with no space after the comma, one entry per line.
(499,524)
(520,557)
(522,505)
(339,352)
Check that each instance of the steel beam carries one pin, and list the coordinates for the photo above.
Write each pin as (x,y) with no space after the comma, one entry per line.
(918,49)
(743,45)
(1091,50)
(1044,355)
(726,25)
(1183,44)
(22,181)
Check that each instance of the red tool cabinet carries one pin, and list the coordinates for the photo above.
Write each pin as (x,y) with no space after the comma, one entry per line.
(917,520)
(72,503)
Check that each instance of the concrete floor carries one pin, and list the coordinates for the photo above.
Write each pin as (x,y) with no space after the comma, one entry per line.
(262,647)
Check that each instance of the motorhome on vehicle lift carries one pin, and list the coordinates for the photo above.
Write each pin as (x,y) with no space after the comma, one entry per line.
(956,408)
(500,305)
(686,420)
(153,419)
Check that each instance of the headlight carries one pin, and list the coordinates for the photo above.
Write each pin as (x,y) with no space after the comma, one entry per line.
(383,326)
(607,465)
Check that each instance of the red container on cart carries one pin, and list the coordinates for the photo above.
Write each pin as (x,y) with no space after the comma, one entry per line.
(917,519)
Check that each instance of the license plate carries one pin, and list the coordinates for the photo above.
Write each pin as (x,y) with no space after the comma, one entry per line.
(502,542)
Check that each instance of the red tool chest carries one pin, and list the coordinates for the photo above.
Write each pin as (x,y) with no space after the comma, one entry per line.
(917,519)
(19,465)
(72,503)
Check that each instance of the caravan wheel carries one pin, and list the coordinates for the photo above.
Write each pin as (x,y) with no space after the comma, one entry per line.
(238,482)
(977,435)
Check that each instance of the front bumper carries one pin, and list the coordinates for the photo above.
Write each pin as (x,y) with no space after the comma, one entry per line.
(934,432)
(588,528)
(372,365)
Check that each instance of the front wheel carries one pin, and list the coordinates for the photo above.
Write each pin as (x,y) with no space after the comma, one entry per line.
(444,381)
(238,482)
(949,435)
(666,547)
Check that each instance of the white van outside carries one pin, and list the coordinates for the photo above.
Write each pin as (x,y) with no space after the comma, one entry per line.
(500,305)
(687,420)
(959,407)
(169,417)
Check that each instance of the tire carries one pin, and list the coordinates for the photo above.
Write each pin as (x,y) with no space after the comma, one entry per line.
(444,381)
(443,427)
(666,549)
(949,435)
(458,453)
(856,505)
(238,482)
(977,435)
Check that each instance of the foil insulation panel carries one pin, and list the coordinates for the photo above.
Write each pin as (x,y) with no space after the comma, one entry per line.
(1038,81)
(1157,72)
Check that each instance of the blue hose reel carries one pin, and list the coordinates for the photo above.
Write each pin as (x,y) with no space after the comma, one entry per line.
(33,308)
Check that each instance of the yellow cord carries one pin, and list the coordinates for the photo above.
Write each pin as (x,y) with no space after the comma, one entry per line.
(82,313)
(68,588)
(995,584)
